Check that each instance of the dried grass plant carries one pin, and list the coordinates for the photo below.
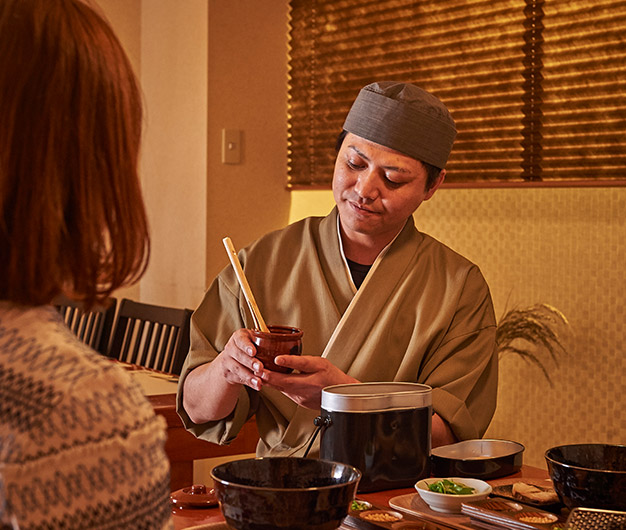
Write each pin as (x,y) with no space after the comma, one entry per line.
(532,333)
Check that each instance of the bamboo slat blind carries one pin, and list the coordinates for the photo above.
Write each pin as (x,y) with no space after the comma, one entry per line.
(537,88)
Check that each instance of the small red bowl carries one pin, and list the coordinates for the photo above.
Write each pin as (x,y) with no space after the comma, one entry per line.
(281,340)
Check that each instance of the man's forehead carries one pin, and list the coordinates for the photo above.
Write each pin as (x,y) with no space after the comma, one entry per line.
(369,148)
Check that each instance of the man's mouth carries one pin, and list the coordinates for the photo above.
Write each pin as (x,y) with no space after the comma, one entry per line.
(360,208)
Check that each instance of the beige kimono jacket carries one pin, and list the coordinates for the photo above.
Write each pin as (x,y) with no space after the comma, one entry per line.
(423,314)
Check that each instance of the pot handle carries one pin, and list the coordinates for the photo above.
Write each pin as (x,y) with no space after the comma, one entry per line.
(321,422)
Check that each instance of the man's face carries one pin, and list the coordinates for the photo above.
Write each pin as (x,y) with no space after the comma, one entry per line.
(376,188)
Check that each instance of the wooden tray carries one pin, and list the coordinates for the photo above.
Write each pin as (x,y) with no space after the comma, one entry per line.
(408,521)
(414,505)
(504,513)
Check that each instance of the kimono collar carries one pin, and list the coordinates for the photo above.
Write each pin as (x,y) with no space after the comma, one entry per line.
(376,261)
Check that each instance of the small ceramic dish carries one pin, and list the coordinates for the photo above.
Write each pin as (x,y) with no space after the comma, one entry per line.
(358,505)
(381,516)
(449,503)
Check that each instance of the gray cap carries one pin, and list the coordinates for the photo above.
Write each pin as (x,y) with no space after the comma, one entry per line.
(403,117)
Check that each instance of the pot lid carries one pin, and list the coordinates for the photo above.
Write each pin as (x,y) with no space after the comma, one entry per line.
(373,397)
(196,496)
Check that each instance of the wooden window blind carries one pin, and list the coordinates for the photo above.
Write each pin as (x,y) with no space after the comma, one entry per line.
(537,88)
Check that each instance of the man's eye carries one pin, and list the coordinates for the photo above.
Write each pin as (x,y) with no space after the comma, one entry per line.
(355,165)
(392,183)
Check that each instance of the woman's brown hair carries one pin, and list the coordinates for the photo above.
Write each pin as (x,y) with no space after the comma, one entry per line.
(72,218)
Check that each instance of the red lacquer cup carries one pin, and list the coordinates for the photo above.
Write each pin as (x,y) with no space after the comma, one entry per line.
(281,340)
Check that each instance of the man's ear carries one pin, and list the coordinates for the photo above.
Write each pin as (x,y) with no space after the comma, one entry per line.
(438,182)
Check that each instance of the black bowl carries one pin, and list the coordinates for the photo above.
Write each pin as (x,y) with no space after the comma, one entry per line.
(281,493)
(482,459)
(589,475)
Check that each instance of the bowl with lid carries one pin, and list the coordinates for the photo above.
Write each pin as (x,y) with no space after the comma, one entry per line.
(483,459)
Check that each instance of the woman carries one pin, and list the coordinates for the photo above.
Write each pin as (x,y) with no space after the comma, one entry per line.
(80,446)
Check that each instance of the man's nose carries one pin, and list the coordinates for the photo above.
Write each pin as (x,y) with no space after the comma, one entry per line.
(367,185)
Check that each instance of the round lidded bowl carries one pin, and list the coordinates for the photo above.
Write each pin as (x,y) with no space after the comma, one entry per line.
(285,493)
(484,459)
(449,503)
(196,496)
(590,475)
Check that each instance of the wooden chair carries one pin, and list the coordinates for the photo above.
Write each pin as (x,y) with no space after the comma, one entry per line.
(152,336)
(93,327)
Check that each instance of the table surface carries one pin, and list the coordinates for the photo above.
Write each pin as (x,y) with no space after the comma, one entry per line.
(153,383)
(212,517)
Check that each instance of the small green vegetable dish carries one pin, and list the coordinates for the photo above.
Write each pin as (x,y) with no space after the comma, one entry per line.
(357,505)
(448,494)
(450,487)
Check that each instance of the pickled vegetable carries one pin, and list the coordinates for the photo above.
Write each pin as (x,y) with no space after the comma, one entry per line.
(360,505)
(449,487)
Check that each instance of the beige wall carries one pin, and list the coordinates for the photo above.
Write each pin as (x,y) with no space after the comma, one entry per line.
(174,78)
(167,42)
(560,246)
(247,91)
(206,66)
(125,17)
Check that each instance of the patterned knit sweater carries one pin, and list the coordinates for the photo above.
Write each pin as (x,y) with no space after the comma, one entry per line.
(80,446)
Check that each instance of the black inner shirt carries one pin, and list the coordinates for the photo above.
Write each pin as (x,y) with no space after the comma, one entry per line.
(358,272)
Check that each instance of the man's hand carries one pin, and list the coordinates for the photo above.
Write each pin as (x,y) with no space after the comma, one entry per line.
(237,362)
(441,432)
(305,387)
(211,390)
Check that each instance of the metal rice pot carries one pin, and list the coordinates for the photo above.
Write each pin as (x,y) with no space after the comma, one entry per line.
(383,429)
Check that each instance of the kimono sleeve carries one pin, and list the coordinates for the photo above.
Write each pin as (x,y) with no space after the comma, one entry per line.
(463,371)
(212,324)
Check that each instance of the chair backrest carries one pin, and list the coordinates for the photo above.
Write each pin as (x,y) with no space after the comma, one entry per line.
(93,327)
(152,336)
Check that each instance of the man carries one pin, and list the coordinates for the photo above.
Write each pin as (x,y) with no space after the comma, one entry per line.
(422,312)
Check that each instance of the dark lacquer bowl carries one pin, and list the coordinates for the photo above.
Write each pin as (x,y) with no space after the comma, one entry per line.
(281,493)
(589,475)
(483,459)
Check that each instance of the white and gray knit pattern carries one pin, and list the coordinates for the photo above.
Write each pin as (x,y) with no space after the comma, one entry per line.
(80,446)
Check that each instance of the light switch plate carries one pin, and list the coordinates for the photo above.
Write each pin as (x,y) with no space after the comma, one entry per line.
(231,146)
